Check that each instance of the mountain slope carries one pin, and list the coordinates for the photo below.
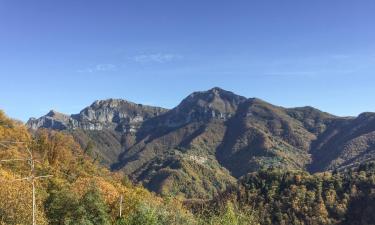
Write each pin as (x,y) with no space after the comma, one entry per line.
(261,134)
(213,137)
(347,141)
(187,135)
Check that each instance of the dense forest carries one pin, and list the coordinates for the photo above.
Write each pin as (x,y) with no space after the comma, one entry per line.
(294,197)
(81,191)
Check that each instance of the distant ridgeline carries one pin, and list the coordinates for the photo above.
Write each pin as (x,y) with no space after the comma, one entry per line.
(213,138)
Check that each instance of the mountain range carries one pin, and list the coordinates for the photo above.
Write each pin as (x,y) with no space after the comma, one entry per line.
(212,138)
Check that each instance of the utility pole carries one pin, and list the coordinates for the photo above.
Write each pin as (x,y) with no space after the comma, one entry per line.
(32,178)
(120,206)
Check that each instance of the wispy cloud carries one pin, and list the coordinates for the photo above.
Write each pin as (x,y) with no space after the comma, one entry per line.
(315,66)
(292,73)
(98,68)
(340,56)
(156,58)
(309,74)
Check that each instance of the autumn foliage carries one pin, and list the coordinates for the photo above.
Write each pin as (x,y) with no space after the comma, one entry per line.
(79,192)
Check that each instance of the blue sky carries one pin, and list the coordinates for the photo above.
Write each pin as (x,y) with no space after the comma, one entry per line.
(64,54)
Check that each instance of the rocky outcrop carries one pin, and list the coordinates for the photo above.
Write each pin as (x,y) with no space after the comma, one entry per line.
(112,114)
(53,120)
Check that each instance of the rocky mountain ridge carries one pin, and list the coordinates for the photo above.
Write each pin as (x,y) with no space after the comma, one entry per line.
(114,114)
(214,137)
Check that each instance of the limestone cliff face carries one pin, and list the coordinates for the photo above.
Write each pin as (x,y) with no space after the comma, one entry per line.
(53,120)
(112,114)
(212,104)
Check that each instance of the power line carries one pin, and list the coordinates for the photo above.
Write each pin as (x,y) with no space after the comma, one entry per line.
(32,178)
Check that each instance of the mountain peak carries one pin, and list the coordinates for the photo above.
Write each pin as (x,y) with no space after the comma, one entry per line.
(214,94)
(111,102)
(217,90)
(57,115)
(203,105)
(52,113)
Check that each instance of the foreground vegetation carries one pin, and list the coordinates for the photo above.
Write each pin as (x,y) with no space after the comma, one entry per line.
(79,191)
(294,197)
(82,192)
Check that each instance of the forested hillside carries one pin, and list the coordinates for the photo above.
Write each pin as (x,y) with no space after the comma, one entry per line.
(294,197)
(79,191)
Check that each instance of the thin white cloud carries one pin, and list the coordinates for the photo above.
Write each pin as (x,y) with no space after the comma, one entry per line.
(292,73)
(156,58)
(98,68)
(340,56)
(310,74)
(313,66)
